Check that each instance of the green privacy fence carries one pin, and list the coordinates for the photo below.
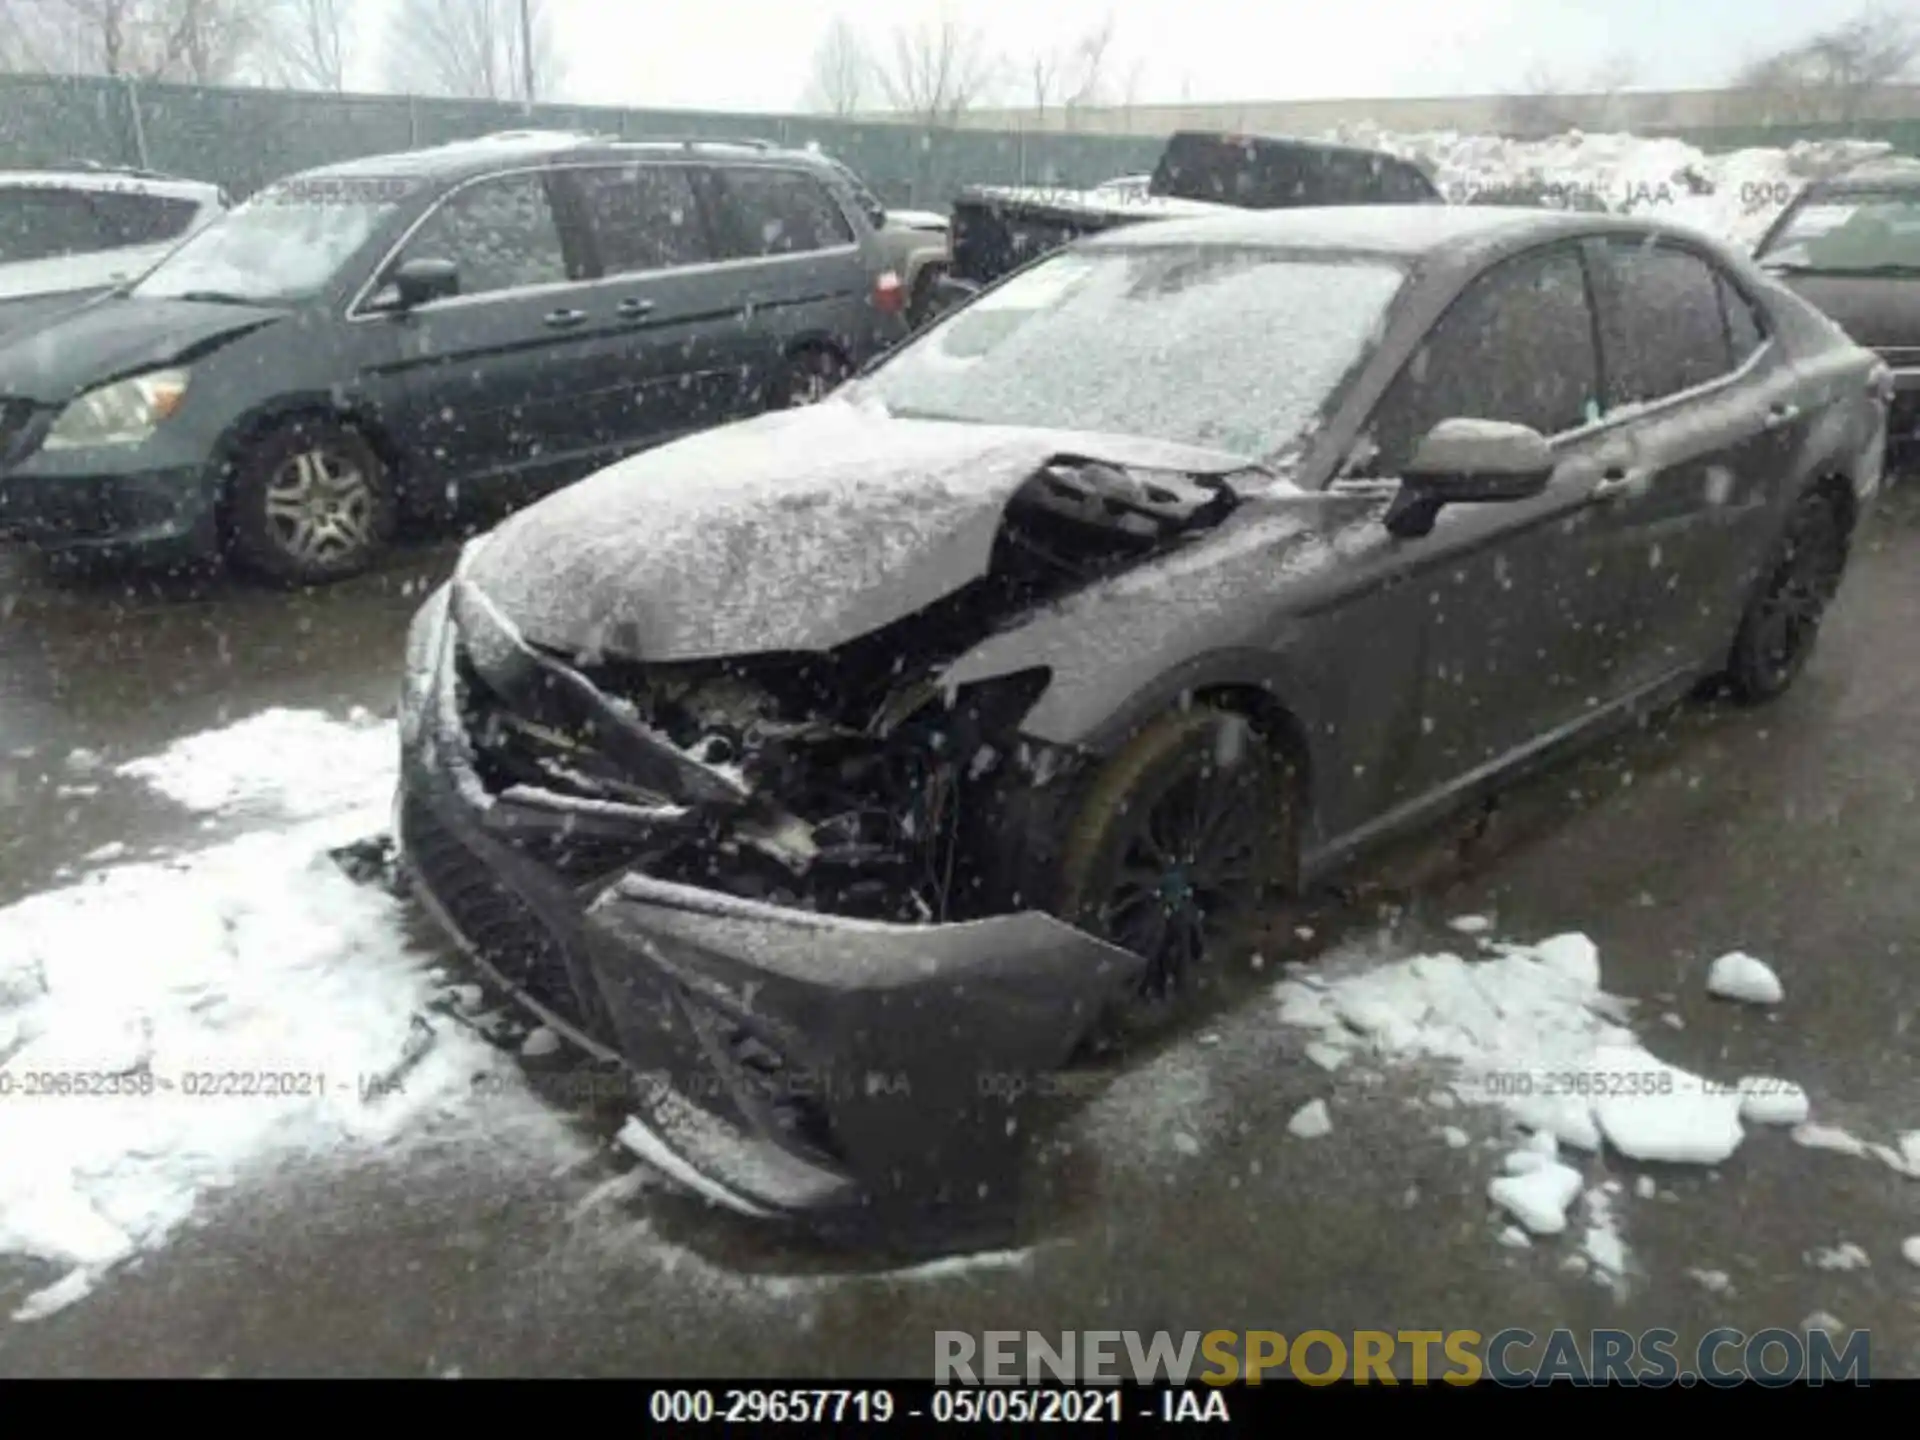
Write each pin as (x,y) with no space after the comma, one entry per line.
(244,138)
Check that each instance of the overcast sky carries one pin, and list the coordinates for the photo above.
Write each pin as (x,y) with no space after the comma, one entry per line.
(756,54)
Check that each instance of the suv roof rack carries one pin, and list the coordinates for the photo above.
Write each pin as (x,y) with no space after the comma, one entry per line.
(690,141)
(95,167)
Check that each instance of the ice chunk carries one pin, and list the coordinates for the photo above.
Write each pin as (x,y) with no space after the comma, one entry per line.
(1328,1057)
(1470,924)
(1766,1101)
(1829,1137)
(540,1041)
(1715,1280)
(1739,976)
(1649,1110)
(1310,1121)
(1844,1256)
(1910,1249)
(1574,956)
(1539,1198)
(1456,1138)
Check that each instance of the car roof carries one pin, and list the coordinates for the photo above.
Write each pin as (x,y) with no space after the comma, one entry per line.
(1403,231)
(1893,172)
(464,159)
(139,182)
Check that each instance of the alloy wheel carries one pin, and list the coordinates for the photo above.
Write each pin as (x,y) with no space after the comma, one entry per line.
(321,508)
(1190,874)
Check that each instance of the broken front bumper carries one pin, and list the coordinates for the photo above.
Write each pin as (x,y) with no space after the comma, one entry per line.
(786,1061)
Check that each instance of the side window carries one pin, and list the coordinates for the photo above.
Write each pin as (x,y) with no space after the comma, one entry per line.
(1516,346)
(1745,332)
(1664,330)
(500,232)
(644,217)
(781,212)
(143,219)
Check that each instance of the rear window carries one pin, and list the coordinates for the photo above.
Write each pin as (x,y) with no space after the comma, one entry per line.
(132,219)
(1849,233)
(780,212)
(1258,174)
(45,224)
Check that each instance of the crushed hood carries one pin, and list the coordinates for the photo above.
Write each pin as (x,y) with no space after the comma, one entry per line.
(110,338)
(797,531)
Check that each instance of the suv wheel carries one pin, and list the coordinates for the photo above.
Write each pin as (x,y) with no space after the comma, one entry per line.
(310,503)
(1783,618)
(810,376)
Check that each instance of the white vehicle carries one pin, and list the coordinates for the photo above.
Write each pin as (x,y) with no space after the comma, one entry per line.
(68,235)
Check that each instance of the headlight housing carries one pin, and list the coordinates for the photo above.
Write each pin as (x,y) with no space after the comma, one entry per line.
(123,413)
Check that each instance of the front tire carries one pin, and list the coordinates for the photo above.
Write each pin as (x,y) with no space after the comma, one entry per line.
(310,503)
(1176,848)
(1782,620)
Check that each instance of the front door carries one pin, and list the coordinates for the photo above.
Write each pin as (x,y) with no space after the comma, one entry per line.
(1511,601)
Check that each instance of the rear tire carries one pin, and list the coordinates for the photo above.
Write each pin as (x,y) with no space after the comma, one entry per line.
(809,376)
(1782,620)
(310,503)
(1175,849)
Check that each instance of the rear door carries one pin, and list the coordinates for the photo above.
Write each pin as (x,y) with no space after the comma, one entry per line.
(666,323)
(797,258)
(1511,600)
(1706,403)
(490,379)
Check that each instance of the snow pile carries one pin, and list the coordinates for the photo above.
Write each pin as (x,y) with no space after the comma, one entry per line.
(173,1028)
(1529,1030)
(301,763)
(1741,977)
(1734,195)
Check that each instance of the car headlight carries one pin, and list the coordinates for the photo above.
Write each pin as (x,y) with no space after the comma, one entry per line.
(123,413)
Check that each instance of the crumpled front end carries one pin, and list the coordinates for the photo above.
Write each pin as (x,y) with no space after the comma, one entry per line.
(759,886)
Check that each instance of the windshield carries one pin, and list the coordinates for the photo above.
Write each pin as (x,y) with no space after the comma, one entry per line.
(1867,231)
(285,245)
(1229,349)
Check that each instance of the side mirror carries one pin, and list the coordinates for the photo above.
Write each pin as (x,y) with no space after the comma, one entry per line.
(419,282)
(1468,462)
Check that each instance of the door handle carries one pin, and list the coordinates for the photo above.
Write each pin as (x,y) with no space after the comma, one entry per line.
(1618,479)
(635,309)
(560,319)
(1780,415)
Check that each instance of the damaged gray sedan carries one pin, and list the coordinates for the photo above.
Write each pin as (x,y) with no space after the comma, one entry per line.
(824,767)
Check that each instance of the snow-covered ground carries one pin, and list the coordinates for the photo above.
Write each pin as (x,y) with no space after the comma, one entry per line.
(171,1028)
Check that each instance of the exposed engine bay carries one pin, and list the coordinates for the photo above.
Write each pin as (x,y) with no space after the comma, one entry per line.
(853,781)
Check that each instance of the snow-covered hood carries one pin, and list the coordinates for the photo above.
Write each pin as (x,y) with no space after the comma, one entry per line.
(796,531)
(65,273)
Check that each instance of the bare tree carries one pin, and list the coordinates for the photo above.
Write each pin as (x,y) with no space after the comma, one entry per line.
(32,38)
(312,44)
(1085,67)
(842,73)
(472,49)
(937,72)
(1836,75)
(1043,75)
(203,41)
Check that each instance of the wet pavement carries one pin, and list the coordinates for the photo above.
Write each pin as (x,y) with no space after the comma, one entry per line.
(1788,832)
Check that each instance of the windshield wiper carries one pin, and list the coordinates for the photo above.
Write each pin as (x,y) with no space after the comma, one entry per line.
(219,297)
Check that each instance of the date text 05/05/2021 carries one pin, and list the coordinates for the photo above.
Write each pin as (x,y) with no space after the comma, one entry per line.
(942,1404)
